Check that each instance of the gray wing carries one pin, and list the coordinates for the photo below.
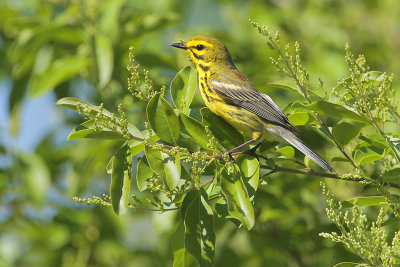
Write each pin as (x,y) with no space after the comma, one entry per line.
(252,100)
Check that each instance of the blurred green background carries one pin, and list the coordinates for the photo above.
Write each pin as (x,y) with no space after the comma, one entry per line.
(57,48)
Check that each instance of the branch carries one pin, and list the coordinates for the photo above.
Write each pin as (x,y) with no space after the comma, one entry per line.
(316,173)
(308,172)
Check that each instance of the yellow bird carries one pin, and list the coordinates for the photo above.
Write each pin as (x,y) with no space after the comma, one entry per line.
(230,95)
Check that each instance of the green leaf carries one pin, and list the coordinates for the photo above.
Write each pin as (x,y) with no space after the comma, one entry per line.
(366,201)
(188,198)
(250,170)
(18,92)
(344,132)
(396,142)
(143,172)
(365,153)
(31,39)
(392,175)
(235,191)
(155,160)
(182,258)
(183,87)
(105,59)
(287,151)
(199,229)
(74,103)
(374,76)
(374,140)
(288,85)
(225,133)
(168,168)
(331,109)
(109,20)
(88,130)
(43,59)
(172,170)
(221,207)
(120,180)
(82,132)
(36,175)
(299,118)
(58,72)
(195,129)
(349,264)
(109,165)
(307,161)
(136,146)
(162,119)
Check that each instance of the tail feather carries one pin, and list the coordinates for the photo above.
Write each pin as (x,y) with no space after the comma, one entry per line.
(292,139)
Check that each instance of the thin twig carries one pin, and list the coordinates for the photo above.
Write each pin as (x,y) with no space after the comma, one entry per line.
(136,138)
(132,137)
(334,140)
(149,209)
(394,115)
(201,185)
(215,197)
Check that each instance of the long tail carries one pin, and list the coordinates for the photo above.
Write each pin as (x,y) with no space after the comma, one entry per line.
(292,139)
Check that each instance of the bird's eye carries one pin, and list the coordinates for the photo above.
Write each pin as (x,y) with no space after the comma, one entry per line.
(200,47)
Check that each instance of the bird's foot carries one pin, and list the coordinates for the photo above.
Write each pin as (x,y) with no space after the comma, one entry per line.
(230,156)
(252,151)
(229,153)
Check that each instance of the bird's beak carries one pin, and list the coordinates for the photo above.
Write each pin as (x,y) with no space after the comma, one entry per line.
(179,45)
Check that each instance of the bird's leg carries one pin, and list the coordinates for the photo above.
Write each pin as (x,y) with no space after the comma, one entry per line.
(256,137)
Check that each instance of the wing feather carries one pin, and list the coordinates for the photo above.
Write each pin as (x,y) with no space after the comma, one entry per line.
(252,100)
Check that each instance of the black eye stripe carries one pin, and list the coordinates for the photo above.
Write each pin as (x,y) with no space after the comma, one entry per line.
(197,56)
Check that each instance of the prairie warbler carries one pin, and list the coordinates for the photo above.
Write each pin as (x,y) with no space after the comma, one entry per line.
(229,94)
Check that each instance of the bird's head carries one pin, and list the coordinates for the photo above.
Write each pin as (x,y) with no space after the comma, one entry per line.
(206,51)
